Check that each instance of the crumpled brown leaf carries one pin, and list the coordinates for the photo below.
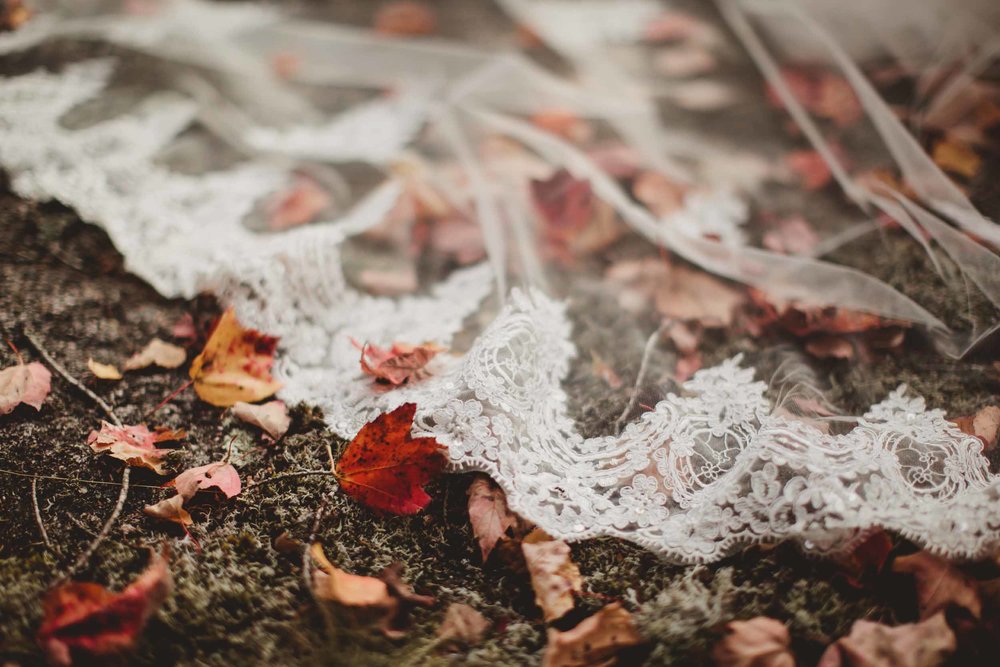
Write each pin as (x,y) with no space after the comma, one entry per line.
(135,445)
(554,577)
(462,625)
(157,353)
(759,642)
(24,383)
(399,363)
(940,584)
(595,642)
(220,475)
(488,513)
(925,644)
(271,417)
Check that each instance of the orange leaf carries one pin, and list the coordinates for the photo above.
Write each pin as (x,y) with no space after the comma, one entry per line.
(385,468)
(760,641)
(235,364)
(104,371)
(88,619)
(597,640)
(957,158)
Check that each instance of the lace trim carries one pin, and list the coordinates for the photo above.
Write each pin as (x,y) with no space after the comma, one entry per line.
(706,470)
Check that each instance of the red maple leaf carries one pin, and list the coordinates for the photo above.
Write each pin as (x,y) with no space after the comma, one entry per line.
(385,468)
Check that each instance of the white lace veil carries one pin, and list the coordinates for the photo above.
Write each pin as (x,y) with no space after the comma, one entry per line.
(175,149)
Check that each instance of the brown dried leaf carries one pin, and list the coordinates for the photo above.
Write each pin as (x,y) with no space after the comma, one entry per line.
(271,417)
(554,577)
(157,353)
(399,363)
(985,425)
(488,513)
(759,642)
(939,584)
(957,158)
(595,642)
(925,644)
(332,583)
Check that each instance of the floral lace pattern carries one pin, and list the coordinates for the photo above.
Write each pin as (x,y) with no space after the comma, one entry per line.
(702,472)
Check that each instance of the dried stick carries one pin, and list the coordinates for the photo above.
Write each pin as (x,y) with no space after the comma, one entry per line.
(647,353)
(37,344)
(38,514)
(126,474)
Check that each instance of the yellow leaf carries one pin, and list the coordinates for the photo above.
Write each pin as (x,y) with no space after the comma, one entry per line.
(103,371)
(235,365)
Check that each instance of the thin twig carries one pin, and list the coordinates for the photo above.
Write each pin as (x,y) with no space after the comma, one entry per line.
(647,353)
(38,514)
(105,529)
(59,368)
(169,397)
(79,480)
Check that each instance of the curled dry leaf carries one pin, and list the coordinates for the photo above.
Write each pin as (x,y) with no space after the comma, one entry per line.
(406,18)
(793,236)
(554,577)
(24,383)
(488,513)
(235,364)
(595,642)
(809,167)
(104,371)
(385,601)
(271,417)
(985,425)
(463,625)
(220,476)
(957,158)
(157,353)
(926,644)
(135,445)
(385,468)
(759,642)
(399,363)
(868,556)
(87,620)
(802,320)
(299,205)
(940,584)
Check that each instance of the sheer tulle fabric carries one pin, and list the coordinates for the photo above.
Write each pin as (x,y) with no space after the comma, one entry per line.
(716,463)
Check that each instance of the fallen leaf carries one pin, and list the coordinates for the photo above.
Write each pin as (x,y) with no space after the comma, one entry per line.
(703,95)
(14,14)
(759,642)
(564,123)
(956,157)
(686,366)
(683,61)
(285,65)
(677,292)
(804,320)
(170,509)
(87,620)
(602,369)
(825,94)
(103,371)
(811,169)
(488,513)
(389,282)
(235,364)
(985,425)
(332,583)
(677,26)
(462,624)
(926,644)
(566,205)
(385,601)
(271,417)
(940,584)
(157,353)
(184,328)
(406,18)
(24,383)
(554,577)
(399,363)
(221,476)
(793,236)
(660,194)
(867,557)
(595,642)
(385,468)
(135,445)
(299,205)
